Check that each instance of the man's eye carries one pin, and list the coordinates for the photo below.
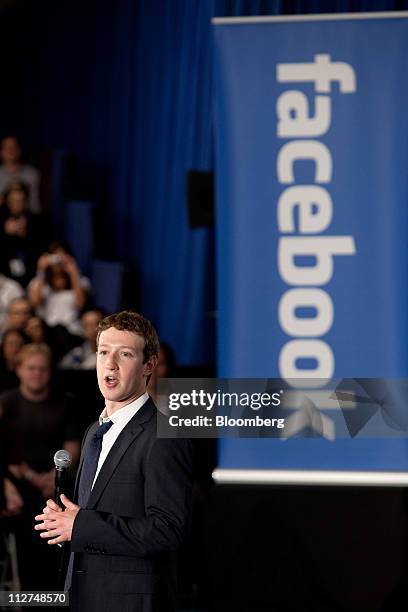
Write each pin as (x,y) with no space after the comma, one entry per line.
(126,354)
(103,352)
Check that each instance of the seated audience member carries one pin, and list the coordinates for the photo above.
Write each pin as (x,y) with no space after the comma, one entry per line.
(9,291)
(58,338)
(23,235)
(36,330)
(12,170)
(83,357)
(39,421)
(39,333)
(164,368)
(13,342)
(59,292)
(18,314)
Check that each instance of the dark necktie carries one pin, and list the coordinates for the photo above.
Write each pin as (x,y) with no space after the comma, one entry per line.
(91,463)
(88,472)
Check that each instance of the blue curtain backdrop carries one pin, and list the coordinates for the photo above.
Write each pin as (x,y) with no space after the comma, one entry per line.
(127,86)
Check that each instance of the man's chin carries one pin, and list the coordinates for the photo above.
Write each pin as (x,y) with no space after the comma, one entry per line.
(112,395)
(37,391)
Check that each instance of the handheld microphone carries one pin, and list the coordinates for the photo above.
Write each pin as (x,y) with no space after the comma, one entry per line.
(62,462)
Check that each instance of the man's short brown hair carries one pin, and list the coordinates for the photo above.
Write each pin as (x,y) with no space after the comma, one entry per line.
(131,321)
(35,348)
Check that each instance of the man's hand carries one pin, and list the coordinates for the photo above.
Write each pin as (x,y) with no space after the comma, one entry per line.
(14,501)
(43,263)
(56,525)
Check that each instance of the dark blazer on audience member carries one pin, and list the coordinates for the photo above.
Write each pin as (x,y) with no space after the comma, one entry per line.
(137,515)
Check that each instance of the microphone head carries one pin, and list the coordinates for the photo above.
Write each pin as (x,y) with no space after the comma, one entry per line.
(62,459)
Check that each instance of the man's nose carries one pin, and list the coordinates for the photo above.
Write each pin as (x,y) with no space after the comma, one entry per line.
(111,362)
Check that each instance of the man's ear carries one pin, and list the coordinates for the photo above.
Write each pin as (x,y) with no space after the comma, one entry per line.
(150,364)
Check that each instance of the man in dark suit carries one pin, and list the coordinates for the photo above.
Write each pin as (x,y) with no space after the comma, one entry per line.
(133,489)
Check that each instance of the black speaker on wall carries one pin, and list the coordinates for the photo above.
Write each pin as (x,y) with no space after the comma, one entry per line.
(200,198)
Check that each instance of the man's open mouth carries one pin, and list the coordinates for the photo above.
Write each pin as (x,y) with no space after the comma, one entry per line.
(111,381)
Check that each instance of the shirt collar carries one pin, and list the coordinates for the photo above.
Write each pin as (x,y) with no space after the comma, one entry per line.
(123,415)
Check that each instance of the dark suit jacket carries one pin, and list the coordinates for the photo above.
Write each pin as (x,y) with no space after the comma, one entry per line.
(137,516)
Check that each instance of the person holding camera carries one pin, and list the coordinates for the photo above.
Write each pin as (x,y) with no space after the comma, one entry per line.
(58,292)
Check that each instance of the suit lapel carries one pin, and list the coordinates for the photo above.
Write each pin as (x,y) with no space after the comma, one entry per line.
(89,433)
(132,430)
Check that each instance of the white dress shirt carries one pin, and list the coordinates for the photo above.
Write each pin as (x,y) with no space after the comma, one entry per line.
(120,419)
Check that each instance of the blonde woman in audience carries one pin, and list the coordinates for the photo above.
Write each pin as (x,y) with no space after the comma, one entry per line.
(9,291)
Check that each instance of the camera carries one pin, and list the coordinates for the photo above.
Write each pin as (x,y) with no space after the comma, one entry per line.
(54,259)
